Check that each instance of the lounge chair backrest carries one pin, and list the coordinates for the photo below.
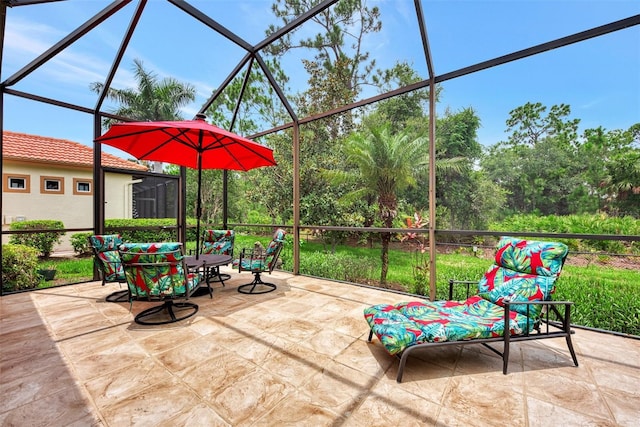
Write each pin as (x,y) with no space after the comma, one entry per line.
(272,252)
(524,270)
(218,242)
(106,256)
(156,269)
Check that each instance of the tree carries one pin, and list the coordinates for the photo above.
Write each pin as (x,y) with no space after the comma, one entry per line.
(622,179)
(539,165)
(383,164)
(153,99)
(337,69)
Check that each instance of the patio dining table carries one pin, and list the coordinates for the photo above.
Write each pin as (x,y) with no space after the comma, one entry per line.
(210,264)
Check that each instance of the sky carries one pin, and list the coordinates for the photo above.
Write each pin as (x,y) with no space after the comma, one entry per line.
(599,78)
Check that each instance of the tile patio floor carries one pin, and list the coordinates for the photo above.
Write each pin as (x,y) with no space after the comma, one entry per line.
(297,356)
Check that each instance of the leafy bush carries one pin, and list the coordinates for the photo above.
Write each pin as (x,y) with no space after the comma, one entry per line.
(43,241)
(19,267)
(337,266)
(80,243)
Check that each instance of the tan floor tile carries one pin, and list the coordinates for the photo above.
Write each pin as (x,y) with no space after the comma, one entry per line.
(387,405)
(328,342)
(108,359)
(211,376)
(295,330)
(477,396)
(126,382)
(199,415)
(366,357)
(24,343)
(338,388)
(297,409)
(70,327)
(251,396)
(87,344)
(259,347)
(34,363)
(350,323)
(568,393)
(294,364)
(64,408)
(170,338)
(19,323)
(544,414)
(179,359)
(624,378)
(35,386)
(157,403)
(625,408)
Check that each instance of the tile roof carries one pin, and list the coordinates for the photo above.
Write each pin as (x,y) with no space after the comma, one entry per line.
(26,147)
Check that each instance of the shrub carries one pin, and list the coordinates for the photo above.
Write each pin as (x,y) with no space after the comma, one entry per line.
(43,241)
(80,243)
(19,267)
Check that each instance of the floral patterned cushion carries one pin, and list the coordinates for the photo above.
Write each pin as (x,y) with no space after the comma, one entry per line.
(155,277)
(523,271)
(408,323)
(218,242)
(107,257)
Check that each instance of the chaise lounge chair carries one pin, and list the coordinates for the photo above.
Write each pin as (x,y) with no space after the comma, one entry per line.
(517,286)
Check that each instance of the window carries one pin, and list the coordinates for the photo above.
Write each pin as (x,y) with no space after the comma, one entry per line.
(82,186)
(51,185)
(16,183)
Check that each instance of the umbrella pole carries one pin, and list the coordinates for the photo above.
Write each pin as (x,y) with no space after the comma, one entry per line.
(199,204)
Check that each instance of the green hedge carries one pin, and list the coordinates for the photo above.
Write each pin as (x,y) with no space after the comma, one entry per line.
(579,224)
(44,241)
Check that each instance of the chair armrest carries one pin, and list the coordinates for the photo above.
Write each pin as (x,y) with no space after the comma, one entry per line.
(565,318)
(452,282)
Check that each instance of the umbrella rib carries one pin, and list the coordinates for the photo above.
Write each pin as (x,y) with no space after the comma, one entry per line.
(176,138)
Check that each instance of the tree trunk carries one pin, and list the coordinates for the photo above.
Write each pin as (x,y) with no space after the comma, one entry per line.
(384,257)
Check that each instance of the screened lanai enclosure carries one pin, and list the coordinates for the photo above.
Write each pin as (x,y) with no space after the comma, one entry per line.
(413,122)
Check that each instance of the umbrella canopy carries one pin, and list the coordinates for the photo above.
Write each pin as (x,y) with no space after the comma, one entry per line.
(192,143)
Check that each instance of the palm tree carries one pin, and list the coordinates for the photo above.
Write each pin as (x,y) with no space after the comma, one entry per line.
(153,100)
(385,164)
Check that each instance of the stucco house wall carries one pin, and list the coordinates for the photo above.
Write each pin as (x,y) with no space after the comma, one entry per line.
(57,189)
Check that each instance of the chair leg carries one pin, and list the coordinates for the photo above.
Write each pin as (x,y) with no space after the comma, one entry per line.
(168,306)
(214,275)
(264,287)
(118,296)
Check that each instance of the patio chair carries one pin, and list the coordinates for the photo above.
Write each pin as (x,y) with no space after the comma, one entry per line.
(518,286)
(157,272)
(218,242)
(107,261)
(257,261)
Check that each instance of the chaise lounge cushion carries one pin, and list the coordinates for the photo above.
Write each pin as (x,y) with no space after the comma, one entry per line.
(409,323)
(523,271)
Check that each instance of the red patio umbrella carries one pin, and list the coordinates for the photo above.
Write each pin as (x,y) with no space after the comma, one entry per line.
(192,143)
